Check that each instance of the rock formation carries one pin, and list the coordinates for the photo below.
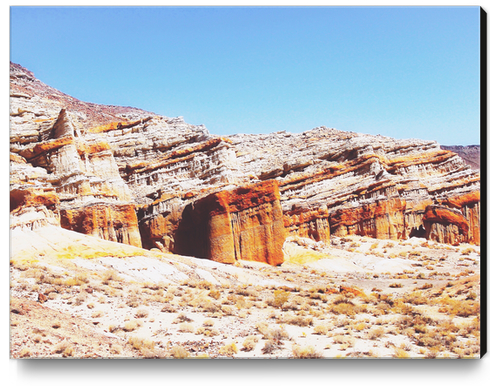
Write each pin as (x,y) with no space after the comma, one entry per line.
(127,175)
(231,225)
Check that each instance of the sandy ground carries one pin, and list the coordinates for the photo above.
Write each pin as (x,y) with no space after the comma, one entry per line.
(80,297)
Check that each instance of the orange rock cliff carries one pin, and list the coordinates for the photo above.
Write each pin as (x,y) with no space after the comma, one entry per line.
(131,176)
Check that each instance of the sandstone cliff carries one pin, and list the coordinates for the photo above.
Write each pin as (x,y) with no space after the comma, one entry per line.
(231,225)
(127,175)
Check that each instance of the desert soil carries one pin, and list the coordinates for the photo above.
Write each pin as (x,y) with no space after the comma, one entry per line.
(358,297)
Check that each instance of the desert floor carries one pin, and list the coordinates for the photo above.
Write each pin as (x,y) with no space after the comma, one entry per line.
(74,296)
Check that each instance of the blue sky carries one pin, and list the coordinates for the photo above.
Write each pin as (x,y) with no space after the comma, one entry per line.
(403,72)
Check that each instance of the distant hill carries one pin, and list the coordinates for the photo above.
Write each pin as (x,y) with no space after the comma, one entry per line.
(470,154)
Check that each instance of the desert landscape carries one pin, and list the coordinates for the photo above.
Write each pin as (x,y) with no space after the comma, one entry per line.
(135,235)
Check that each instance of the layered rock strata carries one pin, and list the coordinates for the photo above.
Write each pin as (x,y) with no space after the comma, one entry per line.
(127,175)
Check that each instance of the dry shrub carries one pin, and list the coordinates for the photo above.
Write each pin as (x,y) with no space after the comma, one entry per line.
(182,318)
(179,352)
(209,306)
(215,294)
(208,323)
(25,353)
(401,353)
(396,285)
(271,345)
(344,307)
(110,275)
(133,301)
(241,303)
(250,342)
(82,297)
(168,308)
(206,331)
(210,332)
(192,283)
(344,340)
(263,328)
(64,348)
(427,340)
(227,310)
(463,308)
(360,326)
(432,353)
(114,328)
(404,309)
(278,334)
(97,314)
(280,298)
(471,327)
(201,300)
(296,320)
(228,350)
(307,352)
(417,320)
(245,290)
(321,329)
(141,313)
(472,296)
(375,333)
(296,303)
(131,326)
(140,343)
(204,284)
(416,298)
(186,327)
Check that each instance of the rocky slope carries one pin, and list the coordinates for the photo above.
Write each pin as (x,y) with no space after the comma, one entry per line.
(127,175)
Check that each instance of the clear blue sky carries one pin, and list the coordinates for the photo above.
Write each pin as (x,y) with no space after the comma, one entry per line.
(401,72)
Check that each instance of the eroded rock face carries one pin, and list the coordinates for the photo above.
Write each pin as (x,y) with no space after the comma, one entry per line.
(231,225)
(383,219)
(445,225)
(132,176)
(109,222)
(309,223)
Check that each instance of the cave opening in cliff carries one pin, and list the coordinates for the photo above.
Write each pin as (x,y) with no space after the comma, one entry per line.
(418,232)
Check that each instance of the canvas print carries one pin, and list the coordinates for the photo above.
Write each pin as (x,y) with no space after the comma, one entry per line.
(245,182)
